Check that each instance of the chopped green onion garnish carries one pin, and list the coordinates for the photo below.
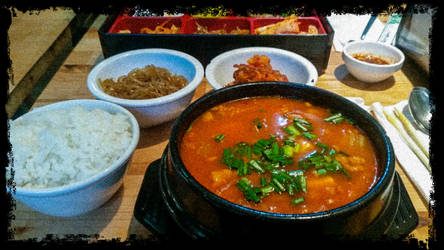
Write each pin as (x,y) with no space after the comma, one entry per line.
(237,163)
(263,181)
(343,153)
(298,201)
(309,136)
(346,173)
(327,158)
(268,155)
(219,137)
(272,165)
(286,176)
(291,130)
(242,149)
(290,141)
(302,124)
(290,188)
(335,118)
(243,169)
(323,146)
(321,171)
(277,176)
(302,183)
(274,148)
(227,157)
(247,190)
(288,150)
(256,166)
(303,164)
(258,123)
(278,184)
(267,189)
(275,188)
(245,180)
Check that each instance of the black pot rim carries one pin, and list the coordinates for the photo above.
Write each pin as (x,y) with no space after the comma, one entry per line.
(383,182)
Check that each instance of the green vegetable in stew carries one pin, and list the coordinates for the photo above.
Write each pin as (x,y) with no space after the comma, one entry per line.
(269,158)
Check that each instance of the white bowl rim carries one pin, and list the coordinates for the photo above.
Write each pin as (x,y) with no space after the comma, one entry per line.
(54,191)
(93,87)
(312,71)
(387,46)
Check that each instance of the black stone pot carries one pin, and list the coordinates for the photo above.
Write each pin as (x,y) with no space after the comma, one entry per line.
(202,214)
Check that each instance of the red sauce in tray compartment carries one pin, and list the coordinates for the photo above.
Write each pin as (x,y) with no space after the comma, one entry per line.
(335,161)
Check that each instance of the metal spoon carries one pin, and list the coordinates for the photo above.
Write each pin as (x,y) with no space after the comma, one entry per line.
(367,27)
(420,108)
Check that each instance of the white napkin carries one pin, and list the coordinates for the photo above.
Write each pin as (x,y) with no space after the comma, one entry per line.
(360,102)
(413,167)
(406,158)
(350,27)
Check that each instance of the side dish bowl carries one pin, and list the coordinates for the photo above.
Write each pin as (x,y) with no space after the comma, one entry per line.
(149,112)
(371,72)
(86,194)
(194,206)
(297,68)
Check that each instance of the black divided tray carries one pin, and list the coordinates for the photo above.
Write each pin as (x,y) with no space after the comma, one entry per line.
(316,48)
(395,222)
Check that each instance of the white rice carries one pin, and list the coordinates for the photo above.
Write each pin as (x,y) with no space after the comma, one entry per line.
(60,147)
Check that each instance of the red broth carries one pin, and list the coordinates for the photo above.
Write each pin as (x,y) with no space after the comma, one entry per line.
(252,119)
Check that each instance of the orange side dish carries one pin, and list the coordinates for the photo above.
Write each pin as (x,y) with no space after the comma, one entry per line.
(289,25)
(257,69)
(279,155)
(161,29)
(200,29)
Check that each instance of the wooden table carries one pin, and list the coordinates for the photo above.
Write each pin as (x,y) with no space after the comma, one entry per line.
(115,220)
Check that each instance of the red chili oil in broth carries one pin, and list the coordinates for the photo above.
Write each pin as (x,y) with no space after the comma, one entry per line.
(201,153)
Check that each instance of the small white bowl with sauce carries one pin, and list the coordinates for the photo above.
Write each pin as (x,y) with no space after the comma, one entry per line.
(372,61)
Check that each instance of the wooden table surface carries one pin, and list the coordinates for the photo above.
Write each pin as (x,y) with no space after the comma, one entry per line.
(115,220)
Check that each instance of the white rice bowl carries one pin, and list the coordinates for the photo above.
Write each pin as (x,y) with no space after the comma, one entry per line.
(61,147)
(70,157)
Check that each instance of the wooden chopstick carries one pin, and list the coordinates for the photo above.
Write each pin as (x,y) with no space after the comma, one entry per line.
(411,131)
(421,156)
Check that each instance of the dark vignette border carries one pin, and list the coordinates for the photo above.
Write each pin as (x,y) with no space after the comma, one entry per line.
(8,8)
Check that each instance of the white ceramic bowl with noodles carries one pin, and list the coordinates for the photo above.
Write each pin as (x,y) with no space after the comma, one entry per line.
(154,111)
(70,157)
(298,69)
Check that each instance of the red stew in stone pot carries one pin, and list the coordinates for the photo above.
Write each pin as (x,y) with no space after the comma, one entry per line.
(279,155)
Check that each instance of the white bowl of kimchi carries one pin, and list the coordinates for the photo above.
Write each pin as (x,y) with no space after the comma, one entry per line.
(259,64)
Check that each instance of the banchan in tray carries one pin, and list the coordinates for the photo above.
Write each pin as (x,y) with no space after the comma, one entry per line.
(121,33)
